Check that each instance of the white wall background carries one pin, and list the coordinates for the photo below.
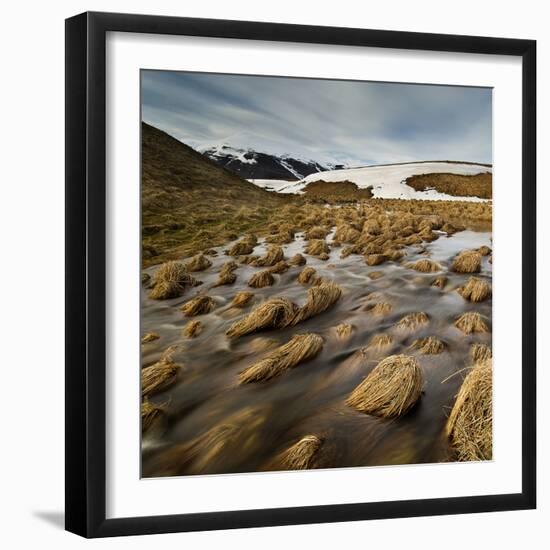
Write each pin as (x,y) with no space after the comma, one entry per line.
(31,272)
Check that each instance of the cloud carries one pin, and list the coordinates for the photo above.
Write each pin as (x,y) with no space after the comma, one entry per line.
(327,120)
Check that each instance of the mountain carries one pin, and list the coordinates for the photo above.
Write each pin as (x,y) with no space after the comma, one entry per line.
(189,203)
(250,164)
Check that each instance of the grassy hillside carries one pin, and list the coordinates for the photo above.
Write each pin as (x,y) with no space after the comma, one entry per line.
(190,203)
(478,185)
(336,192)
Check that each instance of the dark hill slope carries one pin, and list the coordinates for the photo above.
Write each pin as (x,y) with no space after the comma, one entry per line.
(189,203)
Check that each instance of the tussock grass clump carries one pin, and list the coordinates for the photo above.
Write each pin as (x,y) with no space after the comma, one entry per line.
(475,290)
(199,305)
(429,346)
(307,275)
(346,234)
(283,237)
(261,279)
(279,267)
(316,247)
(158,377)
(241,248)
(412,321)
(192,329)
(316,232)
(149,415)
(319,298)
(273,313)
(301,455)
(480,352)
(376,259)
(470,424)
(247,260)
(344,331)
(484,250)
(324,256)
(170,281)
(149,337)
(273,255)
(467,261)
(379,341)
(297,259)
(299,349)
(241,299)
(440,282)
(198,263)
(425,266)
(391,389)
(381,308)
(471,322)
(227,275)
(375,275)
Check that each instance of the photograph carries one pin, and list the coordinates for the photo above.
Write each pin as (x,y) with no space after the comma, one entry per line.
(316,284)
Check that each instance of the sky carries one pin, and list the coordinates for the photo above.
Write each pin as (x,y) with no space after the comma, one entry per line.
(343,122)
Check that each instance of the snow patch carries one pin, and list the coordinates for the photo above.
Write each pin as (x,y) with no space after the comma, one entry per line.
(388,182)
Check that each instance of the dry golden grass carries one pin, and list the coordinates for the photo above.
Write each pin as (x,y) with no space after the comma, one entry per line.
(273,255)
(299,349)
(380,308)
(192,329)
(316,247)
(279,267)
(273,313)
(301,455)
(425,266)
(375,275)
(170,281)
(316,232)
(261,279)
(242,298)
(198,263)
(470,424)
(480,352)
(440,282)
(460,185)
(380,341)
(241,248)
(484,250)
(376,259)
(413,321)
(307,275)
(297,260)
(150,414)
(429,346)
(344,331)
(471,322)
(391,389)
(149,337)
(199,305)
(158,377)
(475,290)
(320,297)
(227,275)
(468,261)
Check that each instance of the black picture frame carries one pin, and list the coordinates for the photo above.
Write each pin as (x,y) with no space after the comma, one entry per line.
(86,283)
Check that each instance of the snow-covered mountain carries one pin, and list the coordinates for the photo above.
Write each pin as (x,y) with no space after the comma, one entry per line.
(388,181)
(253,165)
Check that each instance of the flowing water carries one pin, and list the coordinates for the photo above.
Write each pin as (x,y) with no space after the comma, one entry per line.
(267,417)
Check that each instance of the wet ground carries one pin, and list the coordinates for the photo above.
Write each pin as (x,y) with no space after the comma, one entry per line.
(260,420)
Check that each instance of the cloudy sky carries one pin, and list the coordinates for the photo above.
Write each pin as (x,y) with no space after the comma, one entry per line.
(355,122)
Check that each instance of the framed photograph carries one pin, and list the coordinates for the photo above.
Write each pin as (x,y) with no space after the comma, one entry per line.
(300,274)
